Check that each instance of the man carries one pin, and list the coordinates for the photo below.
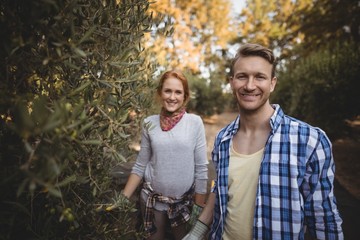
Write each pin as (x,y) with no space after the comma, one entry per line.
(274,173)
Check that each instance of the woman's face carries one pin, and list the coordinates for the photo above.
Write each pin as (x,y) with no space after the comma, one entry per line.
(172,94)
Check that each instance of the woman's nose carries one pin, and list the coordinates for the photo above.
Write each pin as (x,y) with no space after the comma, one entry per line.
(172,96)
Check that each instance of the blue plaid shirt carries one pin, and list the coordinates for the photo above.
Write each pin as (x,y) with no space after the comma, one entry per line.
(295,186)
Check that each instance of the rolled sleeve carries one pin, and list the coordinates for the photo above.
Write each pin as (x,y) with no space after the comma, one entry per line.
(322,216)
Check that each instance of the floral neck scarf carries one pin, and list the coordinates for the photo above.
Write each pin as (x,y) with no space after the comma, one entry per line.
(168,120)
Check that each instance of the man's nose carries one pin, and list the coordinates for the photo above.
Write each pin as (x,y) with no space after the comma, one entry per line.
(250,84)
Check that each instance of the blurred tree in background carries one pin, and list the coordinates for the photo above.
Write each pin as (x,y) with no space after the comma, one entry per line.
(274,23)
(208,97)
(322,88)
(284,25)
(330,21)
(75,84)
(201,27)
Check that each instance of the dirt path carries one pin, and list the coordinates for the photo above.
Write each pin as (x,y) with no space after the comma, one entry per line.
(346,157)
(213,125)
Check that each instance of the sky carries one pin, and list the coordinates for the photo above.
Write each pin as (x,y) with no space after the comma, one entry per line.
(236,9)
(238,5)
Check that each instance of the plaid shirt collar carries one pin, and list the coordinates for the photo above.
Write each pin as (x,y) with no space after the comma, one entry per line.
(275,122)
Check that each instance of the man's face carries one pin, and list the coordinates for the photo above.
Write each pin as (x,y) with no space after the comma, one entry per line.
(252,83)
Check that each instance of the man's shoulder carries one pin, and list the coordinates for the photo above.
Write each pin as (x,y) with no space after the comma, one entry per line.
(302,127)
(281,118)
(293,121)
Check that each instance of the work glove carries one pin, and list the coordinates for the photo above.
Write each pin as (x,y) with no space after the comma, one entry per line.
(196,210)
(198,232)
(122,202)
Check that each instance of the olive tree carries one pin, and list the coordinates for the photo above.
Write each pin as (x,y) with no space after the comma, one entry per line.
(75,84)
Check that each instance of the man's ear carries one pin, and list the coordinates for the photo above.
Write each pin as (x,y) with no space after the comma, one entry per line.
(273,84)
(230,81)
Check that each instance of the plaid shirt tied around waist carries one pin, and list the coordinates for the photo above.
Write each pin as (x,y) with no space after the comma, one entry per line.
(178,211)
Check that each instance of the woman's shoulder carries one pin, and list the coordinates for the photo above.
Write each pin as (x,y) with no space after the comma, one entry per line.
(152,118)
(194,118)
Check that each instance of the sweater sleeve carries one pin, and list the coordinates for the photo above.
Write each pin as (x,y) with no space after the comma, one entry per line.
(145,151)
(201,161)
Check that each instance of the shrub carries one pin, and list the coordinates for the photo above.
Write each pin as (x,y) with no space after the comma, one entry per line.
(323,88)
(75,84)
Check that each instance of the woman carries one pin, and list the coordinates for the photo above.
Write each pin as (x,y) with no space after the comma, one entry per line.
(172,161)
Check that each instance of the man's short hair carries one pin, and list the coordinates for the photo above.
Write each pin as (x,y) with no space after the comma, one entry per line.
(251,49)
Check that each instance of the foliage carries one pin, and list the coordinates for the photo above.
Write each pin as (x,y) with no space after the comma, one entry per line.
(274,23)
(200,28)
(208,97)
(75,84)
(328,20)
(286,25)
(322,89)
